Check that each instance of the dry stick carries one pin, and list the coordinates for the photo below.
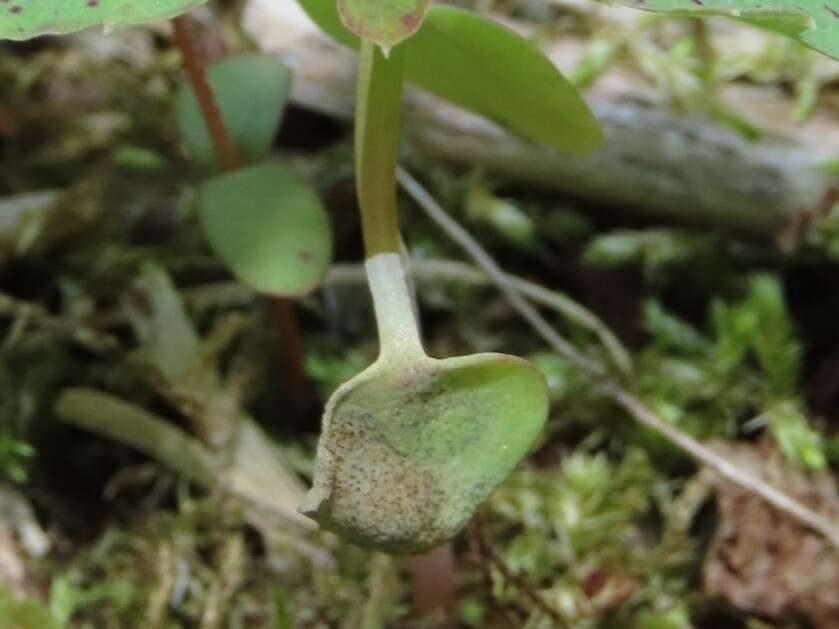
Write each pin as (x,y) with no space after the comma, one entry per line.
(723,467)
(485,550)
(193,62)
(485,261)
(635,407)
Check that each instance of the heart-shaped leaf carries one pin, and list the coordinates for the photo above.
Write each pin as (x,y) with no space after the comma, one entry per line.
(486,68)
(269,227)
(384,22)
(814,22)
(24,19)
(409,451)
(251,92)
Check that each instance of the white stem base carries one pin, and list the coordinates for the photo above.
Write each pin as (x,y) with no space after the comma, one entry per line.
(397,324)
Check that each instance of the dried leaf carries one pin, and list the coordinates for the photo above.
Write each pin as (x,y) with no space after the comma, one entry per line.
(764,562)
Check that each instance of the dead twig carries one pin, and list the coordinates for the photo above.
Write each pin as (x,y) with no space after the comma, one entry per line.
(486,551)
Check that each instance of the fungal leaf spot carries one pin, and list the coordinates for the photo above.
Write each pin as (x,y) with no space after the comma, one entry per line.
(385,22)
(409,452)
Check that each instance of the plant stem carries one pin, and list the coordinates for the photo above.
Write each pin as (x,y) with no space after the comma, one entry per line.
(399,336)
(377,114)
(193,62)
(294,383)
(378,107)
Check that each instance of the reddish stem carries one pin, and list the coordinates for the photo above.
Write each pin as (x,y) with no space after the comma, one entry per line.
(193,61)
(292,354)
(433,583)
(8,123)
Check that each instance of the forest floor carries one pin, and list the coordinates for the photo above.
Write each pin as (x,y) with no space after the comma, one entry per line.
(730,334)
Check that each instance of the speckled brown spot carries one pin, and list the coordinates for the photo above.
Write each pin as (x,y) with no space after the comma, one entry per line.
(410,21)
(378,497)
(15,9)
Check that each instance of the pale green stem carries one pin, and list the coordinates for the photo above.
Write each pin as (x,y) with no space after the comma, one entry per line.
(377,115)
(399,337)
(379,103)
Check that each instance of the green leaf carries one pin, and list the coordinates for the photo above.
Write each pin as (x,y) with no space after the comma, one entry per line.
(269,227)
(814,22)
(251,91)
(486,68)
(385,22)
(25,19)
(409,450)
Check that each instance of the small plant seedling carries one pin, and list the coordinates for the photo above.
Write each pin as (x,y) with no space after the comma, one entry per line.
(264,221)
(412,445)
(252,91)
